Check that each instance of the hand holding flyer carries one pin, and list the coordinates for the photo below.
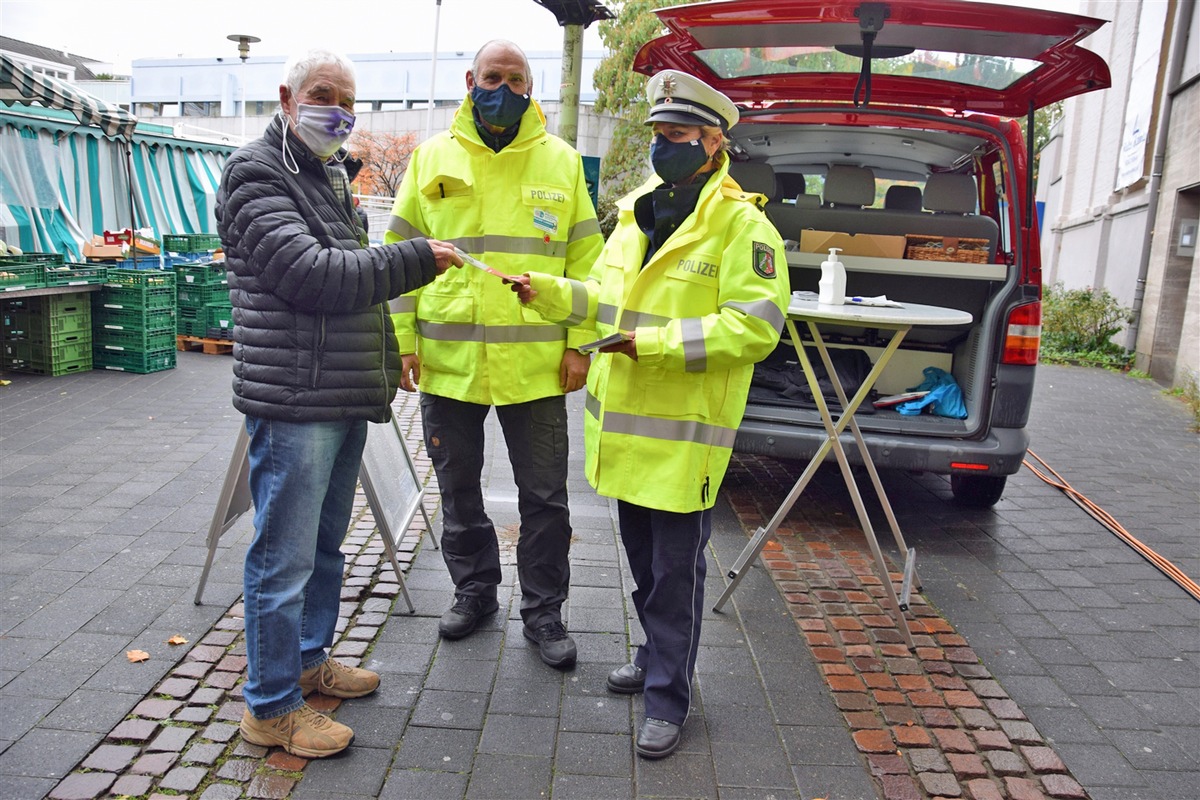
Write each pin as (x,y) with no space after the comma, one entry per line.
(474,262)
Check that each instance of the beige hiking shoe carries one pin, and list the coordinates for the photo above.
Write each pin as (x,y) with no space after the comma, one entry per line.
(304,732)
(334,679)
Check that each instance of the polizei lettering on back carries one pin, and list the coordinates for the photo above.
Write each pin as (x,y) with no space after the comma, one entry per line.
(543,194)
(698,267)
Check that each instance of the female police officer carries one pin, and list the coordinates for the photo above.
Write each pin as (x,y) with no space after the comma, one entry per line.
(694,285)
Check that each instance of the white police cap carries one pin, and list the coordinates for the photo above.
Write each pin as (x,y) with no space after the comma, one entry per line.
(686,100)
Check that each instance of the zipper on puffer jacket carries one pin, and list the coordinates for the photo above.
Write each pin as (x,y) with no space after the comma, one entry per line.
(383,348)
(318,354)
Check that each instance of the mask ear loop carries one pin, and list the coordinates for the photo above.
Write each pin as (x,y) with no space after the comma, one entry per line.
(285,151)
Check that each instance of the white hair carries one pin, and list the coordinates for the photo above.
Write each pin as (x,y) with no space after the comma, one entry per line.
(298,68)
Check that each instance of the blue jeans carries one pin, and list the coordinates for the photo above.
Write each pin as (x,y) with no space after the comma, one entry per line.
(302,480)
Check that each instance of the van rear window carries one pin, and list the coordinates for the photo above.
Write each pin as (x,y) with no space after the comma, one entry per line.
(989,72)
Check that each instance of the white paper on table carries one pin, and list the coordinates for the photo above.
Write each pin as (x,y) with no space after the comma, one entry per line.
(880,300)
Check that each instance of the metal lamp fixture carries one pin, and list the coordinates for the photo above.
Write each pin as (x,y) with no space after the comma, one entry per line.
(243,41)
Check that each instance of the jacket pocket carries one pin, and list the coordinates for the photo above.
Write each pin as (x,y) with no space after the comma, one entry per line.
(438,306)
(443,187)
(549,208)
(694,396)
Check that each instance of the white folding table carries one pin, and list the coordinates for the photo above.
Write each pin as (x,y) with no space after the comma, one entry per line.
(900,321)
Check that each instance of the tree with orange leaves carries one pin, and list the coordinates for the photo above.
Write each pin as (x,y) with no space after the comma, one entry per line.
(385,159)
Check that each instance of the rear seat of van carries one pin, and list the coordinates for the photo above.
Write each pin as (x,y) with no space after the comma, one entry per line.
(949,202)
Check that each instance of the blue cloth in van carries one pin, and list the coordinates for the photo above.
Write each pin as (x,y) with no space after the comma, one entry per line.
(945,398)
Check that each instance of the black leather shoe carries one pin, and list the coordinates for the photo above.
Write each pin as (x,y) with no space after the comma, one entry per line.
(554,645)
(657,738)
(464,615)
(629,679)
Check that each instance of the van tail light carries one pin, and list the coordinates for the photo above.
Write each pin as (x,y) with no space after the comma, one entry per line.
(1023,335)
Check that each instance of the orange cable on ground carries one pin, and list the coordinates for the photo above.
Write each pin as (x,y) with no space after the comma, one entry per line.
(1107,520)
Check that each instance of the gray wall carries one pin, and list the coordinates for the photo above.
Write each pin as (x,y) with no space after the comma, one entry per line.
(1095,229)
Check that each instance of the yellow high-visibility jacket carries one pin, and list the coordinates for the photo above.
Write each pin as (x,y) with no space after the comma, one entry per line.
(707,306)
(524,208)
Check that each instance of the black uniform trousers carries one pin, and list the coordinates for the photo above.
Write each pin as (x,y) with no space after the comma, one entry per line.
(536,436)
(666,552)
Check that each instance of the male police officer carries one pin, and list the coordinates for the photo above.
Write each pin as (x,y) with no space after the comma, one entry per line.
(503,189)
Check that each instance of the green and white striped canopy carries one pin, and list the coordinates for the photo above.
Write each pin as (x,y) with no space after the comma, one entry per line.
(19,84)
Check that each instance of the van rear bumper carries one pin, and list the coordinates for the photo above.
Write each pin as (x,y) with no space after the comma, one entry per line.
(999,453)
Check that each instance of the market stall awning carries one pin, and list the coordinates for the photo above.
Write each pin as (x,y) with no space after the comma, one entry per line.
(19,84)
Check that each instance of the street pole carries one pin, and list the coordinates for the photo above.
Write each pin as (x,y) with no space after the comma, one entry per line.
(573,16)
(242,81)
(572,72)
(437,21)
(244,41)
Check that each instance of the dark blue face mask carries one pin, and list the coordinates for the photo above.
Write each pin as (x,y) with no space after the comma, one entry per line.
(501,107)
(676,161)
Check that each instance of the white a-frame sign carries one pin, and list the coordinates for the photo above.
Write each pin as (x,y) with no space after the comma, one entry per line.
(389,479)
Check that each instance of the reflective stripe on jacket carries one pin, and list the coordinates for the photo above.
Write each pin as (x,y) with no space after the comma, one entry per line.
(524,208)
(707,306)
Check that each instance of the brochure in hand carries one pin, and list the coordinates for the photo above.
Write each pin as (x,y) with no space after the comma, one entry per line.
(613,338)
(475,262)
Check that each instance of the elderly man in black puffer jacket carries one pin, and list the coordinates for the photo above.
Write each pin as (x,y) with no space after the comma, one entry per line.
(315,359)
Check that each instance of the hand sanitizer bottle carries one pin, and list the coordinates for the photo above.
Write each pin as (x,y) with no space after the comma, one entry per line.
(832,286)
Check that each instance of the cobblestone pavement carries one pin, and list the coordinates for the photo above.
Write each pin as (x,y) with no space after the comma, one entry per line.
(1050,660)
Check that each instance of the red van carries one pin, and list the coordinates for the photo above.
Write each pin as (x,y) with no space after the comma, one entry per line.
(891,128)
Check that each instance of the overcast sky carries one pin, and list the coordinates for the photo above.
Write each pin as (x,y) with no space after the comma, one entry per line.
(119,31)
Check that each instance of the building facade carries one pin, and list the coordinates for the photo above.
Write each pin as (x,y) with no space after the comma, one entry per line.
(1120,180)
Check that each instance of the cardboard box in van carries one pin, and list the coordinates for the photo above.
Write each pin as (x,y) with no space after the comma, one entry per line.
(861,244)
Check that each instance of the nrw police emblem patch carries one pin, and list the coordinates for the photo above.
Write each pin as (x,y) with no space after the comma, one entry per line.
(764,260)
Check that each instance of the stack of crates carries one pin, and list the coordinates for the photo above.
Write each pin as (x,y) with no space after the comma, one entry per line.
(202,292)
(47,335)
(202,287)
(26,271)
(133,321)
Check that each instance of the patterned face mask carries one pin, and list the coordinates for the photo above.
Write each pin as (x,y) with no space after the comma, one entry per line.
(323,129)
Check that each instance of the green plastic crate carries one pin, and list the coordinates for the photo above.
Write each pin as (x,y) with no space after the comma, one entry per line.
(14,277)
(44,259)
(144,278)
(148,319)
(201,275)
(133,298)
(192,296)
(190,326)
(55,329)
(62,368)
(134,361)
(213,315)
(41,354)
(52,305)
(190,242)
(75,274)
(118,338)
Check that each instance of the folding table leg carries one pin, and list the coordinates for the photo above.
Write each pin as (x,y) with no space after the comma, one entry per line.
(832,430)
(232,502)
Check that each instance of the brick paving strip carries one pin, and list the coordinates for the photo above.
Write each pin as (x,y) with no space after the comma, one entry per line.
(934,724)
(183,738)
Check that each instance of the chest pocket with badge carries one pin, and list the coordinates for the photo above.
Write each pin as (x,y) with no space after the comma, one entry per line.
(548,208)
